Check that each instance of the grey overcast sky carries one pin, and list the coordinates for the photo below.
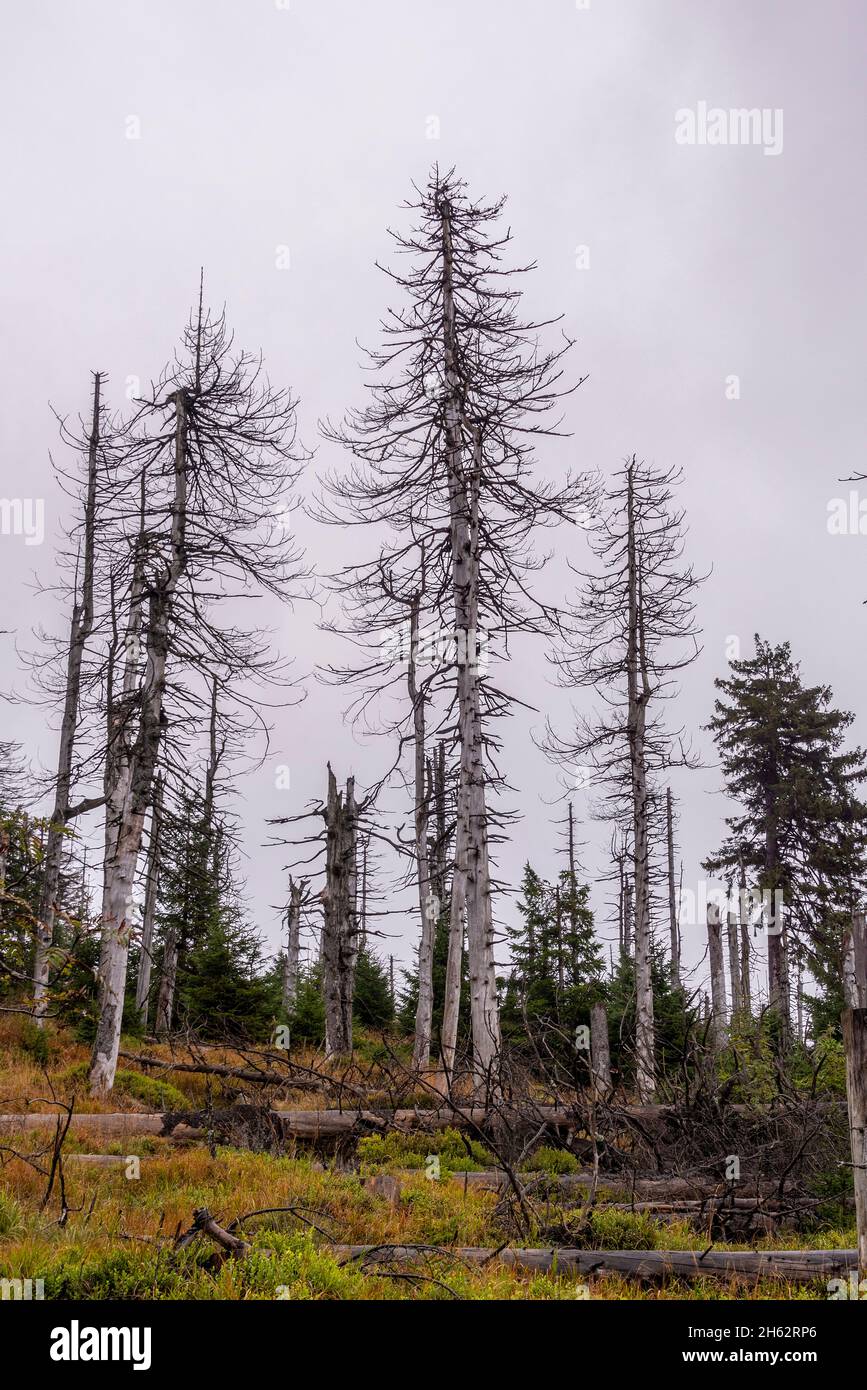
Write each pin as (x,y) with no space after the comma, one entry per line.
(142,139)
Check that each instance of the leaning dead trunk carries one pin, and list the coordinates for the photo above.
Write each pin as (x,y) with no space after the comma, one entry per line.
(81,627)
(339,931)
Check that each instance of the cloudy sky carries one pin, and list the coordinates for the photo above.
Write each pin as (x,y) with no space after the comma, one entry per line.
(716,290)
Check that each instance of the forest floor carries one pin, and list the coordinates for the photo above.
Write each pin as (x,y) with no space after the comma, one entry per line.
(110,1231)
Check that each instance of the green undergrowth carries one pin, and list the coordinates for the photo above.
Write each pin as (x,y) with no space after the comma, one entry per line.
(156,1095)
(455,1151)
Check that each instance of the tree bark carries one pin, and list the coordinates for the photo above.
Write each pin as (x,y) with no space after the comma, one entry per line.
(145,963)
(855,1046)
(732,925)
(778,994)
(855,962)
(672,892)
(81,626)
(428,905)
(717,975)
(293,944)
(600,1051)
(340,931)
(746,991)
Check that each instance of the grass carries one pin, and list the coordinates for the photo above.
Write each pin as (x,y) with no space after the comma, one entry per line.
(117,1238)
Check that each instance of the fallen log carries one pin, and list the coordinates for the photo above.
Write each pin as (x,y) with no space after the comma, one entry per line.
(800,1266)
(748,1189)
(110,1125)
(257,1078)
(324,1124)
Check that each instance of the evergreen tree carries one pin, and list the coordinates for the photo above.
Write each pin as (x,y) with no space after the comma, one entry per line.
(557,962)
(307,1019)
(801,829)
(372,1004)
(222,987)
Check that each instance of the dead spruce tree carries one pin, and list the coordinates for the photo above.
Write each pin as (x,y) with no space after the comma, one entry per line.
(152,875)
(340,919)
(628,621)
(99,445)
(673,895)
(211,476)
(386,617)
(443,454)
(297,899)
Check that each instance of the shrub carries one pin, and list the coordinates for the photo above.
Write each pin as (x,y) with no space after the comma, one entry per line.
(157,1095)
(36,1043)
(553,1161)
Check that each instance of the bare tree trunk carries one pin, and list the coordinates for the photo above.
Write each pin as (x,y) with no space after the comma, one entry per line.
(638,694)
(428,905)
(743,914)
(855,1046)
(293,944)
(778,994)
(168,980)
(145,964)
(362,925)
(471,889)
(717,974)
(80,629)
(600,1051)
(131,796)
(340,932)
(573,876)
(732,925)
(855,963)
(628,915)
(672,892)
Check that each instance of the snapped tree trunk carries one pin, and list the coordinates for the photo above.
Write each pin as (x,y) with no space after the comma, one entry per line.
(600,1050)
(339,931)
(81,627)
(293,944)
